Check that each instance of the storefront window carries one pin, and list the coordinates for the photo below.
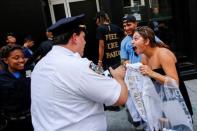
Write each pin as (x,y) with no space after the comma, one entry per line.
(160,19)
(155,13)
(160,9)
(153,3)
(133,7)
(133,3)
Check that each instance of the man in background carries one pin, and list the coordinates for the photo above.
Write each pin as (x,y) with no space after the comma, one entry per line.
(10,39)
(109,37)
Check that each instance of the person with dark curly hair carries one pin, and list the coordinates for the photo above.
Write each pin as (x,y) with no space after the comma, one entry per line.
(14,91)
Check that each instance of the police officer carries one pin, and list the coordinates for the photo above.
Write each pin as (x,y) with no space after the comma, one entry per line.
(67,93)
(14,91)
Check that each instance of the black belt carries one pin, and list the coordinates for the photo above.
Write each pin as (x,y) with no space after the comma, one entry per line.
(13,118)
(22,116)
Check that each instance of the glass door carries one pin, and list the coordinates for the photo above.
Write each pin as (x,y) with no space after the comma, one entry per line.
(58,9)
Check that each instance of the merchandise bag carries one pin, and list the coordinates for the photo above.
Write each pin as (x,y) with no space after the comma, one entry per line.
(174,107)
(132,79)
(161,106)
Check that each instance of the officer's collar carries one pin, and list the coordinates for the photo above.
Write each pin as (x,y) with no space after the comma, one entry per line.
(76,54)
(67,51)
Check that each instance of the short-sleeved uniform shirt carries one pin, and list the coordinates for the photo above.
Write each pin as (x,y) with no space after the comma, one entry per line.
(112,36)
(68,95)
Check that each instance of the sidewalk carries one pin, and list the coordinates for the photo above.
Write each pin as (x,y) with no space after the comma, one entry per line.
(192,90)
(117,121)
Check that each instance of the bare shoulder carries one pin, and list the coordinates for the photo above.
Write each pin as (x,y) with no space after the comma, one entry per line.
(165,54)
(144,59)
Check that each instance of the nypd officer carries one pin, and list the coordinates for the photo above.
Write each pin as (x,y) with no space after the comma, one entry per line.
(14,91)
(66,92)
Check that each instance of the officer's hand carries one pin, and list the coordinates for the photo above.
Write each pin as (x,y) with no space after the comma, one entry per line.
(118,73)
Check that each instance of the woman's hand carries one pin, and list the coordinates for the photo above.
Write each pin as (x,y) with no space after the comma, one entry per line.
(146,70)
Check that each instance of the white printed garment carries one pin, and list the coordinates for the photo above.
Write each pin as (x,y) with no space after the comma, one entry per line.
(154,101)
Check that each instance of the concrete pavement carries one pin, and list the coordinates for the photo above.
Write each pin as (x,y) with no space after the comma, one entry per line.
(192,90)
(117,121)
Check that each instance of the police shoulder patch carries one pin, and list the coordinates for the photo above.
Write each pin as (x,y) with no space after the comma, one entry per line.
(96,68)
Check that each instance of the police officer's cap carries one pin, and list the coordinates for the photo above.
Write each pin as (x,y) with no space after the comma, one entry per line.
(66,24)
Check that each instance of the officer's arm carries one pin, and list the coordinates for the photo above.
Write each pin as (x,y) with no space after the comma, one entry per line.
(118,74)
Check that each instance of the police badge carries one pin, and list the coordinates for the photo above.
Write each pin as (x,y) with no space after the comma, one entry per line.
(99,70)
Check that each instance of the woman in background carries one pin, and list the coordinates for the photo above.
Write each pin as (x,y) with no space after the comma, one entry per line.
(14,91)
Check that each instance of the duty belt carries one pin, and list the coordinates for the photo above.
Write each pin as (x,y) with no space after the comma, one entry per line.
(19,117)
(22,116)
